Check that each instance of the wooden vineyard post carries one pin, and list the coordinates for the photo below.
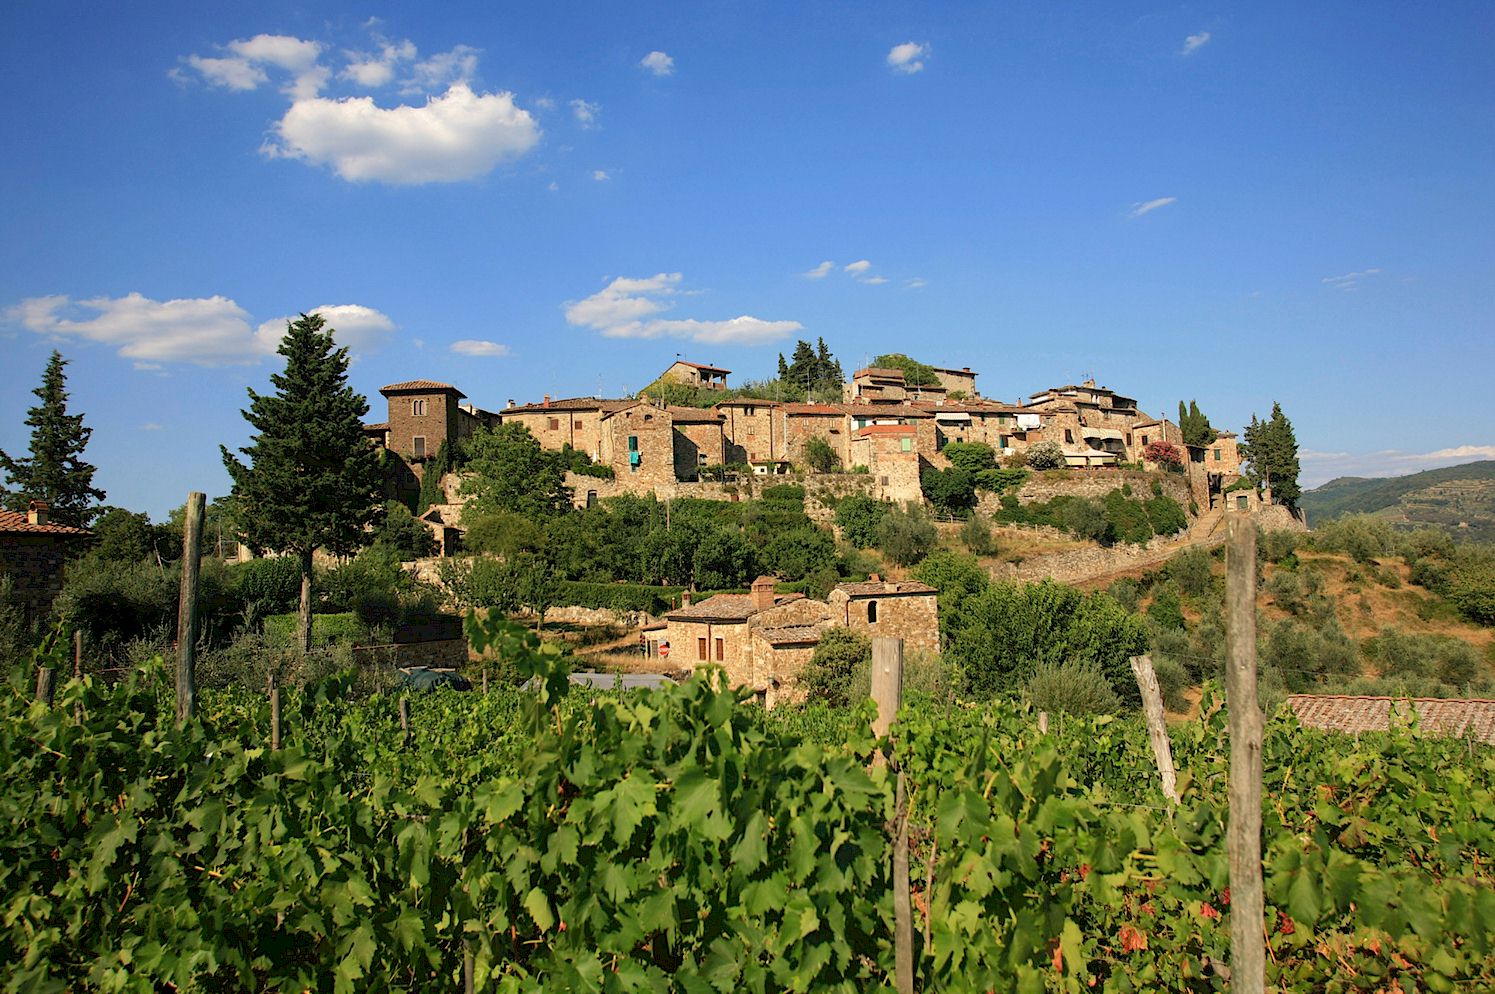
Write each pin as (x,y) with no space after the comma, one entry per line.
(467,986)
(485,681)
(887,692)
(274,712)
(1043,723)
(1157,728)
(45,677)
(404,714)
(186,624)
(1247,955)
(78,654)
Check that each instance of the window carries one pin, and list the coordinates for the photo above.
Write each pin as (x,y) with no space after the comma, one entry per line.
(591,498)
(1069,436)
(1240,502)
(1144,439)
(749,411)
(1128,438)
(576,424)
(906,444)
(418,408)
(418,446)
(1217,455)
(632,443)
(701,648)
(720,650)
(882,481)
(555,424)
(872,612)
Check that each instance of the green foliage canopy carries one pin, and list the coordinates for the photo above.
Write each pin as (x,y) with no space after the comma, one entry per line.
(54,470)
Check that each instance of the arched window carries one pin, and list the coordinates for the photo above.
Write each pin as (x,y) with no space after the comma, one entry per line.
(872,612)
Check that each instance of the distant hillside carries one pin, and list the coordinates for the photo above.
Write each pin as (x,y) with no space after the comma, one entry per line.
(1458,498)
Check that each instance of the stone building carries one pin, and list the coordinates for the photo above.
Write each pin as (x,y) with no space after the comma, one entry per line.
(33,552)
(422,415)
(891,455)
(1214,468)
(753,434)
(573,421)
(697,375)
(638,442)
(958,380)
(764,640)
(1094,426)
(698,439)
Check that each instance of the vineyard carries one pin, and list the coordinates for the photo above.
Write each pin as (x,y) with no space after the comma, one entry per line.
(684,839)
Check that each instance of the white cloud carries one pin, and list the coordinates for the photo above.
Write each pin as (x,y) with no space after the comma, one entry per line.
(554,186)
(1320,467)
(858,267)
(207,331)
(625,308)
(1194,43)
(917,283)
(459,65)
(457,136)
(360,328)
(600,175)
(820,272)
(875,280)
(585,113)
(909,57)
(1350,281)
(479,347)
(151,426)
(1151,205)
(658,63)
(245,68)
(378,70)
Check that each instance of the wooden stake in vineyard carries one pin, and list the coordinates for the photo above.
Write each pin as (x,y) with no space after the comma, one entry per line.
(887,692)
(1157,728)
(1247,953)
(186,626)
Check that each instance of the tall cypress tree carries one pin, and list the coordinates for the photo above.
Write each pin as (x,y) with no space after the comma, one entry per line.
(55,471)
(1271,447)
(313,479)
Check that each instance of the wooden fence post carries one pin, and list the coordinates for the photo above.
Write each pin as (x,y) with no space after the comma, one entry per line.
(1157,728)
(1043,723)
(78,654)
(186,624)
(45,678)
(1247,953)
(404,714)
(485,681)
(274,712)
(467,985)
(887,691)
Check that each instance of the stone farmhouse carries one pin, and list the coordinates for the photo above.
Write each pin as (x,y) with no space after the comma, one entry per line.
(764,640)
(884,429)
(33,552)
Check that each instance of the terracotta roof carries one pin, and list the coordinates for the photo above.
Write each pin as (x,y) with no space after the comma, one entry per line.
(420,385)
(1452,717)
(881,588)
(726,607)
(747,402)
(958,372)
(570,404)
(790,635)
(694,416)
(885,430)
(965,406)
(15,522)
(698,365)
(878,371)
(377,426)
(813,409)
(885,411)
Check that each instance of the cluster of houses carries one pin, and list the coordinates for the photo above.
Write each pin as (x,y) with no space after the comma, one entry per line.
(883,427)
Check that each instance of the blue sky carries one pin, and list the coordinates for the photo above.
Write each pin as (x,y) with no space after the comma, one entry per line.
(1236,204)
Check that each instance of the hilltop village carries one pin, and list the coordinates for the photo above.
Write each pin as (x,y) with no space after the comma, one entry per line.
(884,429)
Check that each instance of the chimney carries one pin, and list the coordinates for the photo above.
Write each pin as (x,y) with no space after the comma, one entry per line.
(685,598)
(511,401)
(36,512)
(547,400)
(874,578)
(763,593)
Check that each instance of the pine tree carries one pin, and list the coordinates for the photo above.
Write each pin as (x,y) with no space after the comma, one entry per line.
(783,369)
(55,471)
(313,479)
(1195,427)
(1271,447)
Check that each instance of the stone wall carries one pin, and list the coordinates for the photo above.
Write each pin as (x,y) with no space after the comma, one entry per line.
(555,427)
(687,648)
(752,433)
(1097,483)
(915,618)
(697,445)
(34,564)
(655,434)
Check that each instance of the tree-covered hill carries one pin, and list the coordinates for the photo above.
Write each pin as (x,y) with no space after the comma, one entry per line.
(1459,498)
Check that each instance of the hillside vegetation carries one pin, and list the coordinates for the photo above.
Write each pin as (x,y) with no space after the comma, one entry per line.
(1458,499)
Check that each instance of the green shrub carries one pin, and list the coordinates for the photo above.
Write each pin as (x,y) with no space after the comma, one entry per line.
(829,674)
(326,629)
(976,534)
(1071,688)
(820,456)
(1165,610)
(998,480)
(274,584)
(618,596)
(1166,515)
(1436,657)
(1190,571)
(950,491)
(973,457)
(1275,545)
(1471,585)
(1126,592)
(906,536)
(1127,519)
(859,517)
(1173,680)
(402,536)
